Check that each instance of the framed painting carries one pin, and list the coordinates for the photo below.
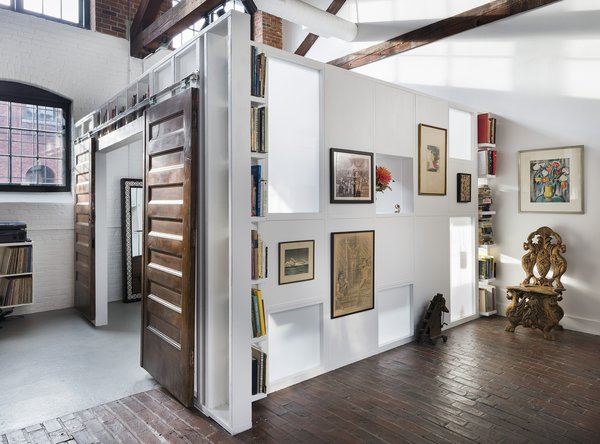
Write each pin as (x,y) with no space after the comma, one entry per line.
(463,187)
(296,261)
(350,176)
(352,272)
(433,159)
(551,180)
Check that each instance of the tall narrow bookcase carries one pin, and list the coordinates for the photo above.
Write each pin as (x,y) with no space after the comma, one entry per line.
(16,276)
(258,214)
(486,151)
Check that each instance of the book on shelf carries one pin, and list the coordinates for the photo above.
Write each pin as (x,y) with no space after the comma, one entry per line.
(258,126)
(15,291)
(486,162)
(486,129)
(258,197)
(487,267)
(259,379)
(16,260)
(259,327)
(487,299)
(259,72)
(254,375)
(259,255)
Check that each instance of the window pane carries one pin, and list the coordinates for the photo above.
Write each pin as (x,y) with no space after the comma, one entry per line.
(33,5)
(52,8)
(4,113)
(23,116)
(49,172)
(462,268)
(49,119)
(23,143)
(50,145)
(4,146)
(4,166)
(70,10)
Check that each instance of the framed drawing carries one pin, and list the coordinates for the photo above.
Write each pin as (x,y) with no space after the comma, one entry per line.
(463,187)
(433,157)
(296,261)
(551,180)
(352,272)
(351,176)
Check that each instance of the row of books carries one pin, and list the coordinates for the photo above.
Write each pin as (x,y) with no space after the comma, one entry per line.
(259,327)
(260,257)
(258,124)
(259,371)
(486,129)
(258,198)
(16,260)
(487,267)
(486,162)
(487,299)
(486,232)
(484,197)
(15,291)
(259,73)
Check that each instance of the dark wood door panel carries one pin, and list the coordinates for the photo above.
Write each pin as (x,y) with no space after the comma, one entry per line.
(171,144)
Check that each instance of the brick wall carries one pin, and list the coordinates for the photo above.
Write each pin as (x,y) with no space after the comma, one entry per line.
(113,17)
(267,29)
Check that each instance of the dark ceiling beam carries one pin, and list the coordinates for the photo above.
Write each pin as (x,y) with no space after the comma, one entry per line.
(144,16)
(179,17)
(482,15)
(311,38)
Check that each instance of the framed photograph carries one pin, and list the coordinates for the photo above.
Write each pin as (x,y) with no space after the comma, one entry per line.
(352,272)
(551,180)
(296,261)
(351,176)
(463,187)
(433,159)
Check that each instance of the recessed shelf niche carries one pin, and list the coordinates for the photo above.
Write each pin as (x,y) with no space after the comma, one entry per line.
(399,198)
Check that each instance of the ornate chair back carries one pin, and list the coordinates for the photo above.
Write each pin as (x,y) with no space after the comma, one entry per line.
(544,247)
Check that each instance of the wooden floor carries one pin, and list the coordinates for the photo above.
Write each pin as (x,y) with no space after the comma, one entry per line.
(483,385)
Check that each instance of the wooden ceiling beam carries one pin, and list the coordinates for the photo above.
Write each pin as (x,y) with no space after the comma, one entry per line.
(311,38)
(179,17)
(473,18)
(144,16)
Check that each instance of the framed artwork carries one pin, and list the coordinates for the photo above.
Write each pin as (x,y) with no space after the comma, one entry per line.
(296,261)
(463,187)
(351,176)
(551,180)
(433,159)
(352,272)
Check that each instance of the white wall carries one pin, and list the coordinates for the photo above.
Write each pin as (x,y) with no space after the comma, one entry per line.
(88,68)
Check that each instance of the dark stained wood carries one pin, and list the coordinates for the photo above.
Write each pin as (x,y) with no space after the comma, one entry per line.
(311,38)
(146,14)
(85,291)
(173,21)
(479,16)
(168,293)
(467,390)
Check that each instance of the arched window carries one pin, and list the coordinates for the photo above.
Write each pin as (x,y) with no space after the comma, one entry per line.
(34,139)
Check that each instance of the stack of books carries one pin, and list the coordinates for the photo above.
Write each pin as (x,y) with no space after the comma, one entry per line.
(258,124)
(259,73)
(260,259)
(259,371)
(259,327)
(258,198)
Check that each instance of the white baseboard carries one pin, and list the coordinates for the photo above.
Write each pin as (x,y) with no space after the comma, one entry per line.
(583,325)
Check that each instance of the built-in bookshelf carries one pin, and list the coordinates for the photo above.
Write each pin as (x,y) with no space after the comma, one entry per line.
(486,150)
(258,213)
(16,276)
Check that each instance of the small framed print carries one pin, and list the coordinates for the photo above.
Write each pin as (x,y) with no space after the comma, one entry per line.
(351,176)
(296,261)
(352,272)
(463,187)
(433,156)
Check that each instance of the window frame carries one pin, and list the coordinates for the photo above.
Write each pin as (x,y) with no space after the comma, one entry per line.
(84,13)
(30,95)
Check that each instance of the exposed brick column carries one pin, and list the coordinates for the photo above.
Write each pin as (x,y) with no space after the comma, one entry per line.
(267,29)
(113,16)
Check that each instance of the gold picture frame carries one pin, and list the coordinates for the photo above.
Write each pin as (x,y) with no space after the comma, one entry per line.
(352,272)
(433,160)
(296,261)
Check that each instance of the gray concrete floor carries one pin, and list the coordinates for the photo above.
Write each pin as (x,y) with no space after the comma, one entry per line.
(55,363)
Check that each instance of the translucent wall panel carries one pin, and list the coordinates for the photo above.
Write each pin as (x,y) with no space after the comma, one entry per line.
(460,138)
(294,136)
(462,268)
(294,341)
(395,320)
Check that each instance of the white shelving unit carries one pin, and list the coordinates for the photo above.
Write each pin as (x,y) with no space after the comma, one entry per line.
(16,265)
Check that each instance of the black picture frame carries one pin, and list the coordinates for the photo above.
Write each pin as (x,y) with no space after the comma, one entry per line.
(299,275)
(463,187)
(351,176)
(352,272)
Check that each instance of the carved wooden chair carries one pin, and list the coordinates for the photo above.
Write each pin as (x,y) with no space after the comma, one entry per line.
(535,301)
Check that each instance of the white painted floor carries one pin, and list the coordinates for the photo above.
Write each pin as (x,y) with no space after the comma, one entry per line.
(55,363)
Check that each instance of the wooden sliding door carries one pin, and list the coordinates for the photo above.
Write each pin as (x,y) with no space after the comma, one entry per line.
(169,243)
(85,282)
